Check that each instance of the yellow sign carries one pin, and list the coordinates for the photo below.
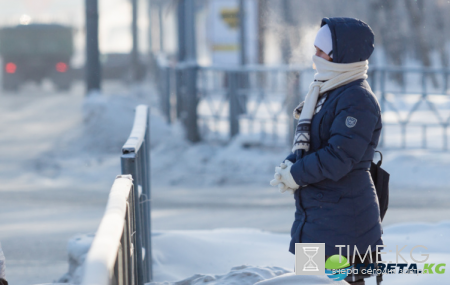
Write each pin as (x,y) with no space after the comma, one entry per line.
(230,17)
(225,47)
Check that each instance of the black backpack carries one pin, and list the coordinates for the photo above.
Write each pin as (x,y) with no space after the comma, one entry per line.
(381,180)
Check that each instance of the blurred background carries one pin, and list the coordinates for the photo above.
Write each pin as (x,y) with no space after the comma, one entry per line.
(221,78)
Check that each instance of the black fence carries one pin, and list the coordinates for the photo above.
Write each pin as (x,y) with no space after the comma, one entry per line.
(219,102)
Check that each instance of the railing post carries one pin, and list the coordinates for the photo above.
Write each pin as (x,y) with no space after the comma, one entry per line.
(166,96)
(403,127)
(128,162)
(179,90)
(234,109)
(424,136)
(244,87)
(292,102)
(424,84)
(190,100)
(403,81)
(445,142)
(424,97)
(445,87)
(145,155)
(125,241)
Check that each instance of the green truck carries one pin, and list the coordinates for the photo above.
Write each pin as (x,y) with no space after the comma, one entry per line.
(34,52)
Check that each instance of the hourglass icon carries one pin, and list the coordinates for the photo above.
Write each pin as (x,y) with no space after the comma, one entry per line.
(310,265)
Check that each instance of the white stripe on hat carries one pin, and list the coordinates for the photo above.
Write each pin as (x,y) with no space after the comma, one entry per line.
(323,40)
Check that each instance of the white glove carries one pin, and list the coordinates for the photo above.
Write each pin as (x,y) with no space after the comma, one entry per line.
(283,178)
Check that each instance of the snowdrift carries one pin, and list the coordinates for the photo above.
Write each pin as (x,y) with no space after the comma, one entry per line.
(249,256)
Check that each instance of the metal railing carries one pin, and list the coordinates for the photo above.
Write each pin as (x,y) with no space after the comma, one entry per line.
(111,259)
(416,99)
(135,161)
(260,102)
(121,252)
(218,102)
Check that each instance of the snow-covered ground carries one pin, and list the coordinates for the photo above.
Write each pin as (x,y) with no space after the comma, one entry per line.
(61,153)
(252,256)
(208,256)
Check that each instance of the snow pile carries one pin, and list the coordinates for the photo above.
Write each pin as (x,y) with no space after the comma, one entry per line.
(177,161)
(107,121)
(245,275)
(77,249)
(206,256)
(180,254)
(89,142)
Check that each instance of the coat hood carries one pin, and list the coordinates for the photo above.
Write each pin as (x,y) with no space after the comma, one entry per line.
(353,40)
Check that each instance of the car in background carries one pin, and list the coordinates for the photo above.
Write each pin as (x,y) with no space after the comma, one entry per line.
(34,52)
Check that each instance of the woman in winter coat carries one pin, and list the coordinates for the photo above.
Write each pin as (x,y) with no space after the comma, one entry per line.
(338,130)
(2,267)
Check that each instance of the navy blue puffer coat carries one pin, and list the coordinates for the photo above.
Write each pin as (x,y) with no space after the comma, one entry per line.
(339,206)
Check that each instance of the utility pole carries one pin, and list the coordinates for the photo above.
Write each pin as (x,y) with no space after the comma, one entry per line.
(262,11)
(293,79)
(92,65)
(241,100)
(187,99)
(186,31)
(150,4)
(161,27)
(180,29)
(134,50)
(242,33)
(286,49)
(189,34)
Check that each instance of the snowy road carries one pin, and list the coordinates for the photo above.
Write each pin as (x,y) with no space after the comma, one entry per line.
(37,213)
(36,225)
(51,190)
(265,208)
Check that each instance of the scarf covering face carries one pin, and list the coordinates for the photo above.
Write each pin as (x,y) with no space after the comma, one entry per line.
(329,76)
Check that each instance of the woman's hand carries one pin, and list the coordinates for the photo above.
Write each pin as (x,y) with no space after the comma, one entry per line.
(283,178)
